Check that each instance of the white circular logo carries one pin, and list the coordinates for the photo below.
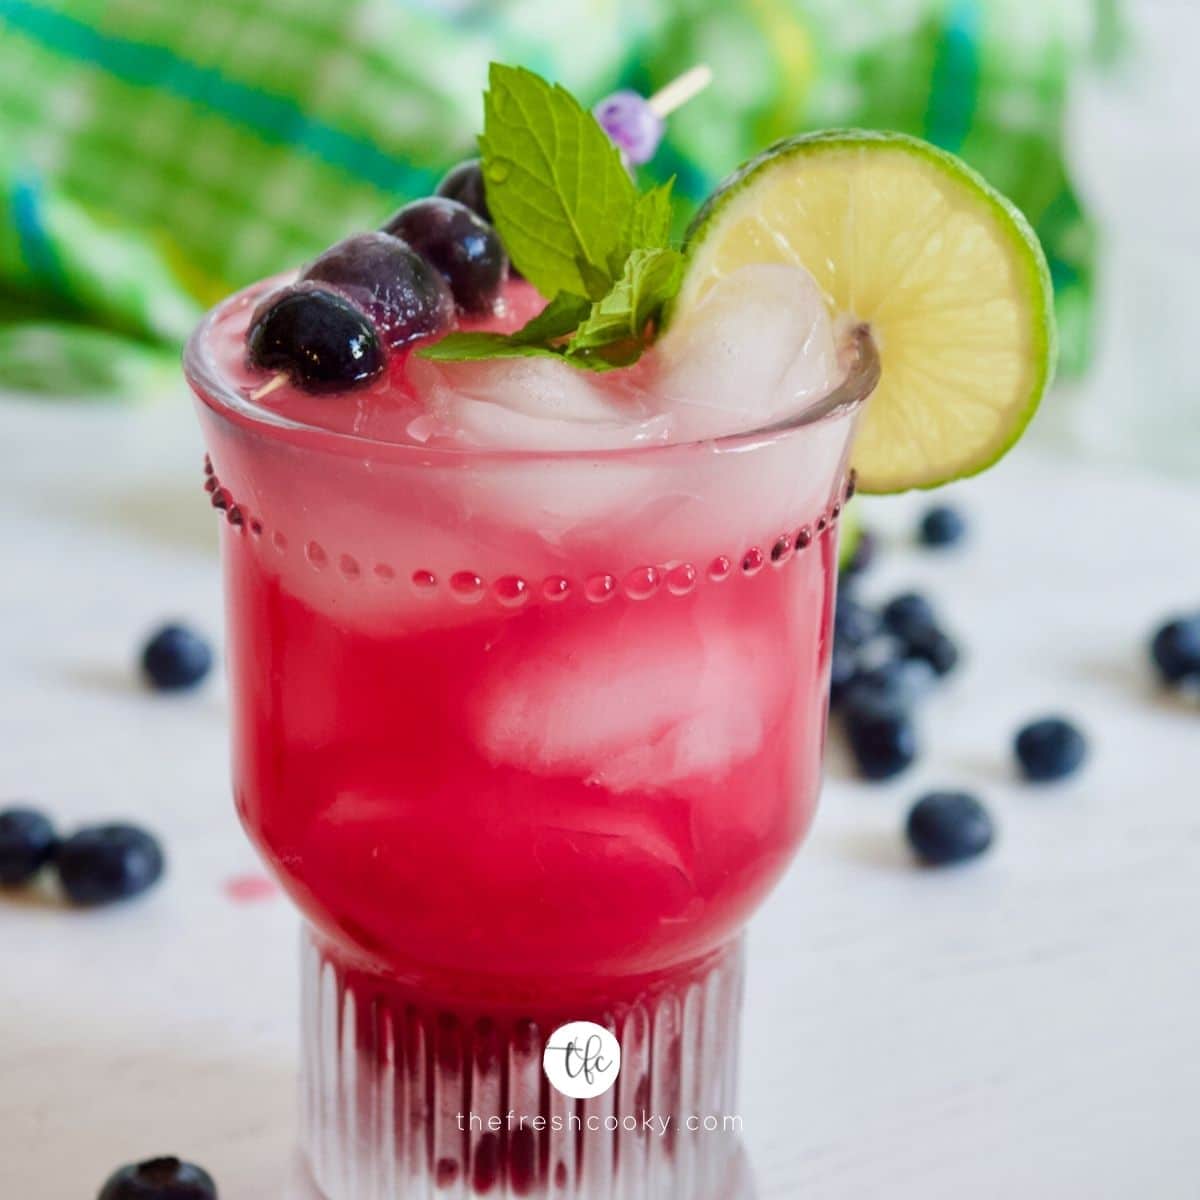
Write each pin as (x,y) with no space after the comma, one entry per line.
(582,1060)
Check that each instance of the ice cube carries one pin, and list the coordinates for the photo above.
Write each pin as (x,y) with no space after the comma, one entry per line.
(533,404)
(648,706)
(757,347)
(540,405)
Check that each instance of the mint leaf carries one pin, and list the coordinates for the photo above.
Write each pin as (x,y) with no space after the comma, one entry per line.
(557,320)
(472,347)
(650,279)
(558,192)
(608,357)
(650,220)
(648,228)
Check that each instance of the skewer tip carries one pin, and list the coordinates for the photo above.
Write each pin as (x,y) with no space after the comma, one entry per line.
(681,89)
(272,385)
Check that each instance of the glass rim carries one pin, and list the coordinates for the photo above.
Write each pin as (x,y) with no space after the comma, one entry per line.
(856,348)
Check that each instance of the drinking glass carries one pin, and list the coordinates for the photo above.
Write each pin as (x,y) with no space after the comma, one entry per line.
(527,737)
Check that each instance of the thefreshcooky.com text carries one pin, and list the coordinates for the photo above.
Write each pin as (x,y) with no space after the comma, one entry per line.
(650,1123)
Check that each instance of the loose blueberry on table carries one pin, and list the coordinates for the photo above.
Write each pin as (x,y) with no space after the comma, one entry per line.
(896,685)
(853,622)
(159,1179)
(1175,650)
(106,863)
(884,742)
(933,647)
(909,615)
(1048,749)
(843,667)
(176,658)
(948,827)
(27,844)
(942,526)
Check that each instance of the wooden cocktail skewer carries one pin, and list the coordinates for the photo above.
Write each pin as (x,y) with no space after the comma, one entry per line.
(680,90)
(665,101)
(272,385)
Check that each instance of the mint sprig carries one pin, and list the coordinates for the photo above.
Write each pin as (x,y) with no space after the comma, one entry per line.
(558,320)
(574,225)
(648,280)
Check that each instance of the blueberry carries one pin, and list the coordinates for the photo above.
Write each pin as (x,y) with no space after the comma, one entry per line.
(319,338)
(843,666)
(1176,649)
(104,863)
(942,526)
(175,658)
(934,647)
(1051,748)
(159,1179)
(464,183)
(908,614)
(884,742)
(854,622)
(948,827)
(464,248)
(399,290)
(862,702)
(27,844)
(896,685)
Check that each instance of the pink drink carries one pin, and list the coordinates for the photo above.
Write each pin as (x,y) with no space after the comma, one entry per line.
(527,736)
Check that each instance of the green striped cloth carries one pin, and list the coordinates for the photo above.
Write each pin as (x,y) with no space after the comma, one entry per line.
(156,154)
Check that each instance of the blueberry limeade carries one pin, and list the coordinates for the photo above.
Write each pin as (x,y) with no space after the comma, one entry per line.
(531,512)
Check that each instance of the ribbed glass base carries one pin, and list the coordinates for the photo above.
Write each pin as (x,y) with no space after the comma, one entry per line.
(406,1100)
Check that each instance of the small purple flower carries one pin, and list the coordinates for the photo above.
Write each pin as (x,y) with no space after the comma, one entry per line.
(632,124)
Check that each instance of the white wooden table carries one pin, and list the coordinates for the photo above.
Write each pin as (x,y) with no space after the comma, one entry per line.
(1027,1026)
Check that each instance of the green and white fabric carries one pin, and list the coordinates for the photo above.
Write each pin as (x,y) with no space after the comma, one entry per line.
(156,154)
